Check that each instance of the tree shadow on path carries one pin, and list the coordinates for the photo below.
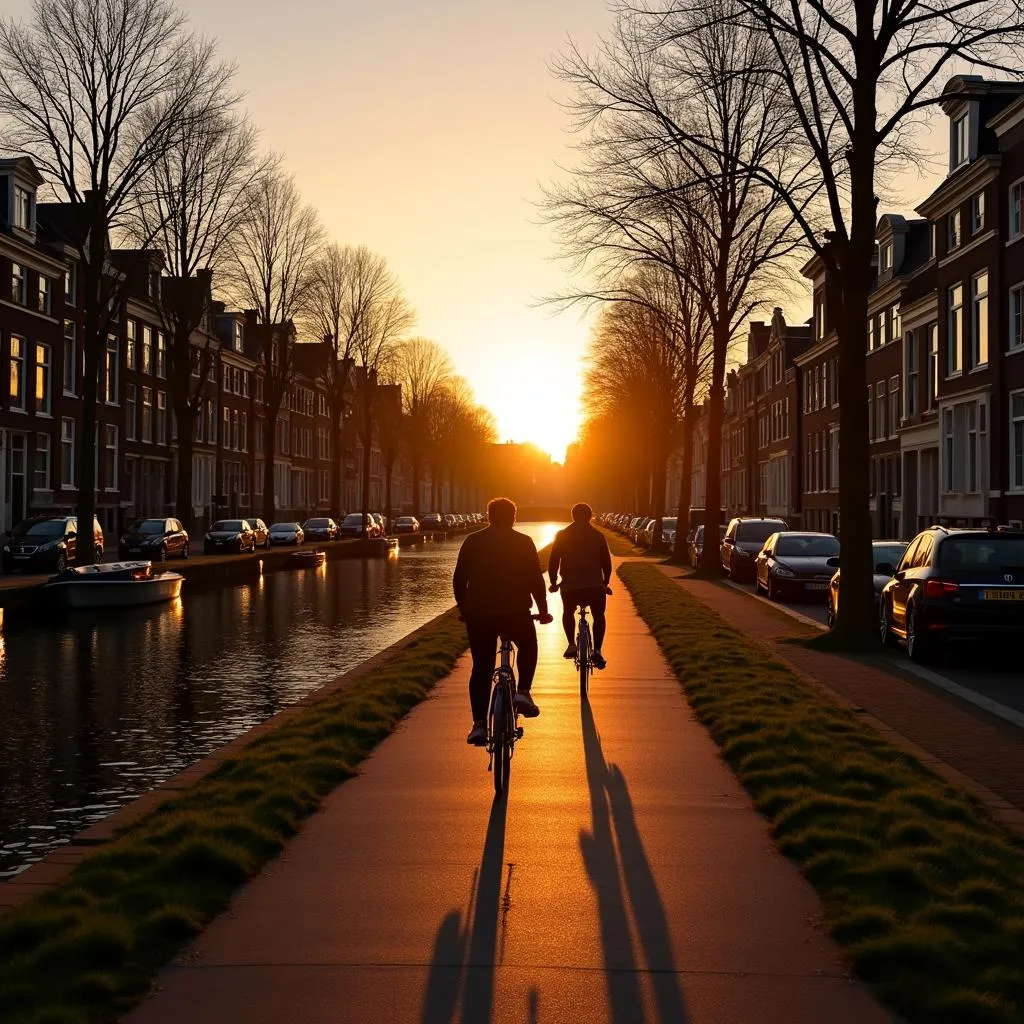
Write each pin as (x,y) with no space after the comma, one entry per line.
(617,871)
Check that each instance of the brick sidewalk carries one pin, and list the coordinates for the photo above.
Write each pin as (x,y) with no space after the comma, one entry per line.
(987,751)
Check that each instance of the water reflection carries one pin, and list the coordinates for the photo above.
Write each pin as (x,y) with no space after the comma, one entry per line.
(96,709)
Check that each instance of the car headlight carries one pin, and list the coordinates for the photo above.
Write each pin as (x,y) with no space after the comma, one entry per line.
(781,570)
(48,545)
(207,537)
(7,549)
(235,536)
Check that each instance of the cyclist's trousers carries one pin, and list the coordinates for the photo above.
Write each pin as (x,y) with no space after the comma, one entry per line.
(597,599)
(484,631)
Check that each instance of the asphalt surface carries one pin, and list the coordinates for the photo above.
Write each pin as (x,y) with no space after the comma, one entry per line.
(625,878)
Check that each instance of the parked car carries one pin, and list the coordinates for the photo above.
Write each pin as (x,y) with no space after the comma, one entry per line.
(46,544)
(378,518)
(744,538)
(320,529)
(885,554)
(954,585)
(229,535)
(696,543)
(262,534)
(407,524)
(792,564)
(353,525)
(432,521)
(287,533)
(155,539)
(636,527)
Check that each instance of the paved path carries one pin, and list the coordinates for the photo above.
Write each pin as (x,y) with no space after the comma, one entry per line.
(981,746)
(626,879)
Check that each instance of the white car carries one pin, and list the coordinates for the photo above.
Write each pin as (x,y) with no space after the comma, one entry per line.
(286,533)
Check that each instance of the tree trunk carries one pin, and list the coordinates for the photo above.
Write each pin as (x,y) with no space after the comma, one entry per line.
(658,478)
(269,443)
(710,564)
(367,447)
(184,444)
(389,471)
(417,467)
(337,464)
(680,552)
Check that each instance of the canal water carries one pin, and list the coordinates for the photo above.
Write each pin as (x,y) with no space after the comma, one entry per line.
(96,708)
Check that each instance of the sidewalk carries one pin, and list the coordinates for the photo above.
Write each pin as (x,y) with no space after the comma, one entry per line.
(626,879)
(984,749)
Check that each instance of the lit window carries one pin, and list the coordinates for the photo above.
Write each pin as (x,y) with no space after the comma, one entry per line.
(979,320)
(977,212)
(956,329)
(19,284)
(17,392)
(43,379)
(954,230)
(22,208)
(44,300)
(959,151)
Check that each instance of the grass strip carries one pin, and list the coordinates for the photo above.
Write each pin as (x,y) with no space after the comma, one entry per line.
(923,890)
(620,545)
(86,950)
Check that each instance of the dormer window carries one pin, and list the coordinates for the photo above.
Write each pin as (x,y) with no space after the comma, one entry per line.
(238,337)
(885,257)
(19,284)
(977,212)
(955,234)
(933,240)
(23,208)
(959,143)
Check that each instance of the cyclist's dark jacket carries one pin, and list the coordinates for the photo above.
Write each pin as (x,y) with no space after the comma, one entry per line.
(582,552)
(498,573)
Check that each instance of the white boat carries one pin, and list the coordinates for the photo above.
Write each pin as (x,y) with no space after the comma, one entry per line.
(113,585)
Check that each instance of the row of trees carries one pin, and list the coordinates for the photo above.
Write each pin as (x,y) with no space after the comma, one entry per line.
(721,142)
(136,124)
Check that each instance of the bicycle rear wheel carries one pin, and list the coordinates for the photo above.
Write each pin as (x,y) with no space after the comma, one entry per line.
(499,740)
(583,647)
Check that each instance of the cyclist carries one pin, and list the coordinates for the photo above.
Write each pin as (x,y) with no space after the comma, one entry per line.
(586,563)
(497,578)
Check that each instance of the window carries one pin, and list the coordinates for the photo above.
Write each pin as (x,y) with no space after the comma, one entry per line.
(67,452)
(69,357)
(958,142)
(22,208)
(226,378)
(147,415)
(131,356)
(41,481)
(245,432)
(954,236)
(70,286)
(833,447)
(225,428)
(236,439)
(44,301)
(1017,441)
(964,446)
(147,349)
(880,407)
(43,396)
(956,329)
(885,257)
(933,365)
(17,395)
(977,212)
(1016,204)
(933,244)
(19,284)
(110,456)
(819,316)
(161,353)
(130,412)
(894,405)
(161,417)
(110,367)
(1016,318)
(979,320)
(237,336)
(910,374)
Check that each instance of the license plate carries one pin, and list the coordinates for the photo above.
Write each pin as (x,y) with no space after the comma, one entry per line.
(816,586)
(1002,595)
(219,543)
(135,551)
(21,558)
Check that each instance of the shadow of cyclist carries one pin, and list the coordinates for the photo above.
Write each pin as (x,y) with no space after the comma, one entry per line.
(465,957)
(610,870)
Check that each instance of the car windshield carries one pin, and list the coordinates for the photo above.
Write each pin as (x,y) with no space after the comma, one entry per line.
(354,520)
(803,546)
(982,553)
(51,528)
(759,530)
(227,526)
(404,519)
(318,524)
(668,523)
(284,527)
(148,526)
(891,553)
(253,523)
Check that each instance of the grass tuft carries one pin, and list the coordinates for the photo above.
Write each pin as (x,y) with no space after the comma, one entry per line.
(922,889)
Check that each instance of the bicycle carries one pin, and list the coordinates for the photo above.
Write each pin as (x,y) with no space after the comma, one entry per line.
(584,651)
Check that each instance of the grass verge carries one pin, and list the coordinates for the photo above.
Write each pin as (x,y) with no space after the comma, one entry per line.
(86,949)
(619,545)
(921,888)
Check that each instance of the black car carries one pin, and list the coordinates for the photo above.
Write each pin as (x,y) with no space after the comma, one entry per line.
(744,538)
(320,529)
(795,564)
(695,542)
(259,528)
(885,555)
(46,544)
(954,585)
(229,535)
(155,539)
(407,524)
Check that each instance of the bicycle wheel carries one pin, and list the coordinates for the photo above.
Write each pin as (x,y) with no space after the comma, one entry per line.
(583,647)
(499,763)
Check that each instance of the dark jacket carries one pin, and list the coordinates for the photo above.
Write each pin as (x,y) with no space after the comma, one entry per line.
(498,573)
(582,553)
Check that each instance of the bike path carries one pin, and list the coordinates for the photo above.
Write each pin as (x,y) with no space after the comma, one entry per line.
(626,878)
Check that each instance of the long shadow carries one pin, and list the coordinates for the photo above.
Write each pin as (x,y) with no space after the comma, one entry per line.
(466,955)
(612,809)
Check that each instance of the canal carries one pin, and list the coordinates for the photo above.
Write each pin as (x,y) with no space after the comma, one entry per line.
(96,708)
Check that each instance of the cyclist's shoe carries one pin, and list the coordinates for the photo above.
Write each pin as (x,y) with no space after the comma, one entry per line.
(570,652)
(477,735)
(598,659)
(523,703)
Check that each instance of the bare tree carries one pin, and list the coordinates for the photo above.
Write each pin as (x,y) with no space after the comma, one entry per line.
(274,347)
(192,203)
(424,370)
(97,92)
(275,250)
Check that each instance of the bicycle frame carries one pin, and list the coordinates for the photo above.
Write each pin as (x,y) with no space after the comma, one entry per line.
(584,650)
(502,718)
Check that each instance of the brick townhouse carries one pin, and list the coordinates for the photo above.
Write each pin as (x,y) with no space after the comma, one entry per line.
(235,372)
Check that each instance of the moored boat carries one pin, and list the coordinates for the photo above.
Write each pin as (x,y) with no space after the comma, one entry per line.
(113,585)
(307,559)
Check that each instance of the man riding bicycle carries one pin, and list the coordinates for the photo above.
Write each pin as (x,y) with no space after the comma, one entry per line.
(586,563)
(497,578)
